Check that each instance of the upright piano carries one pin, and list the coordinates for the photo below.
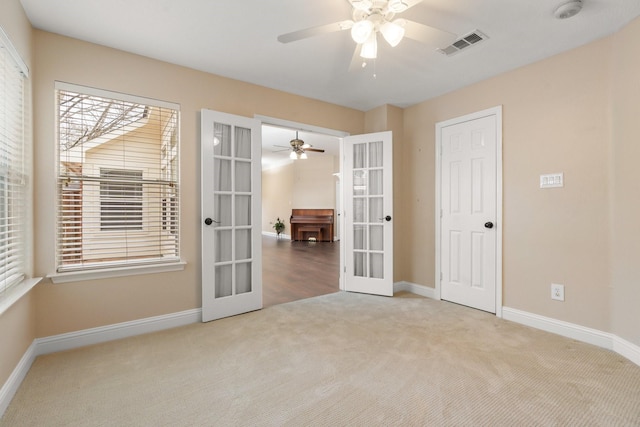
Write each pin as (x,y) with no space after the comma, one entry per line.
(312,223)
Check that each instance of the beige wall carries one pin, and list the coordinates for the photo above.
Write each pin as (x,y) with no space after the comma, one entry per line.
(17,325)
(74,306)
(625,241)
(302,184)
(555,116)
(277,189)
(314,186)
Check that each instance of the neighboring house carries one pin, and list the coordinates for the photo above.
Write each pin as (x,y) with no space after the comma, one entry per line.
(112,173)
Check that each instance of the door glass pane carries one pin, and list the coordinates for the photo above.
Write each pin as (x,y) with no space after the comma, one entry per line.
(222,204)
(375,209)
(243,143)
(375,182)
(243,278)
(375,154)
(377,266)
(243,210)
(223,281)
(223,174)
(359,264)
(243,177)
(359,183)
(376,238)
(223,245)
(359,237)
(221,140)
(359,156)
(359,209)
(243,245)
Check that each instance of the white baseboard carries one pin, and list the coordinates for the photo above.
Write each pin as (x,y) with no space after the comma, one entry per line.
(566,329)
(282,235)
(626,349)
(116,331)
(91,336)
(12,384)
(414,288)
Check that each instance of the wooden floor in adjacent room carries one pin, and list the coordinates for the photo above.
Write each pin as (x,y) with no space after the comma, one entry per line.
(298,270)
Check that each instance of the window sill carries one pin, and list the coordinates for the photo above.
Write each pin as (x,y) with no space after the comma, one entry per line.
(16,292)
(78,276)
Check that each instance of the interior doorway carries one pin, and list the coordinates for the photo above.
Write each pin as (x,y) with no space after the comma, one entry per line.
(297,269)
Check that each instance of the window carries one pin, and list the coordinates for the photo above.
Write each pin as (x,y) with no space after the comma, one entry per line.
(120,200)
(14,167)
(118,187)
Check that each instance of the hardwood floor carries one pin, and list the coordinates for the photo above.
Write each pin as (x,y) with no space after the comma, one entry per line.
(298,270)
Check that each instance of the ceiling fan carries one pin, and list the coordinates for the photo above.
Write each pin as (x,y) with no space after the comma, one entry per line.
(299,148)
(373,17)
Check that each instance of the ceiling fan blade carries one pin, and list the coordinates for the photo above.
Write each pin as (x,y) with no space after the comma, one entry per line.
(317,150)
(428,35)
(315,31)
(411,3)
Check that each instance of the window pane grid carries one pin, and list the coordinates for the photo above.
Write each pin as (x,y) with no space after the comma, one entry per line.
(118,198)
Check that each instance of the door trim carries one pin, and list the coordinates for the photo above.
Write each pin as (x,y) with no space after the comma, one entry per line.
(497,112)
(267,120)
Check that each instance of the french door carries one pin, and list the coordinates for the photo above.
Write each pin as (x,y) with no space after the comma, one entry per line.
(231,215)
(368,205)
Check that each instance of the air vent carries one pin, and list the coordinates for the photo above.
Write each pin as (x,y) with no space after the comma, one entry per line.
(464,42)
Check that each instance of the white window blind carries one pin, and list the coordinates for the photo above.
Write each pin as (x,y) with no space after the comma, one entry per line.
(118,189)
(14,167)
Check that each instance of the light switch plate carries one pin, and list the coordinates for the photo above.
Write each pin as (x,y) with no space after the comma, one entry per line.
(552,180)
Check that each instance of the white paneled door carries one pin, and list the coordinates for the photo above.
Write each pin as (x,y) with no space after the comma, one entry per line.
(468,202)
(231,215)
(368,208)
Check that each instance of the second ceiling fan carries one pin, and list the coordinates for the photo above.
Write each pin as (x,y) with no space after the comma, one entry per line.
(299,148)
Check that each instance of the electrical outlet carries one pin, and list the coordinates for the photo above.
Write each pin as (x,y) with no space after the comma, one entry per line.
(557,292)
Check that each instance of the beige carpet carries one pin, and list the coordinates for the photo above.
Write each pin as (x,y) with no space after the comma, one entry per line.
(338,359)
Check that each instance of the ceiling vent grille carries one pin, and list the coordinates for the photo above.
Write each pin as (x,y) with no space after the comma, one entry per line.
(463,42)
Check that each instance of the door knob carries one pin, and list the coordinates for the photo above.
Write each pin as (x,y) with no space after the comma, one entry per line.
(208,221)
(488,224)
(387,218)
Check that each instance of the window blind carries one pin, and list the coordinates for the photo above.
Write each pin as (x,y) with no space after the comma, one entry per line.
(118,175)
(14,169)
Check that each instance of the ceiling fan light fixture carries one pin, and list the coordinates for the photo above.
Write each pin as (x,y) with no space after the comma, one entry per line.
(393,32)
(362,30)
(370,47)
(364,5)
(303,156)
(293,155)
(397,6)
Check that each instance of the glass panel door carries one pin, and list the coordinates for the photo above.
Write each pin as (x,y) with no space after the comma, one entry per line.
(368,194)
(231,264)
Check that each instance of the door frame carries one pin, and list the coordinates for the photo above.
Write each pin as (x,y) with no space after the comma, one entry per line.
(267,120)
(497,112)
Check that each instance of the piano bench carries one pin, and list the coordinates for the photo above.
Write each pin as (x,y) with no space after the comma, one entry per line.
(305,232)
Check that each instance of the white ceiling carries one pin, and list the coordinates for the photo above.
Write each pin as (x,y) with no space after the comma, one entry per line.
(238,39)
(276,148)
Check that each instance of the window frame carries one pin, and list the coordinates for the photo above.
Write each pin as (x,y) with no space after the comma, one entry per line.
(92,271)
(12,292)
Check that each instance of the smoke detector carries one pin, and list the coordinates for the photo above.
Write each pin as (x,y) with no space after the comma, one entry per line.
(569,9)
